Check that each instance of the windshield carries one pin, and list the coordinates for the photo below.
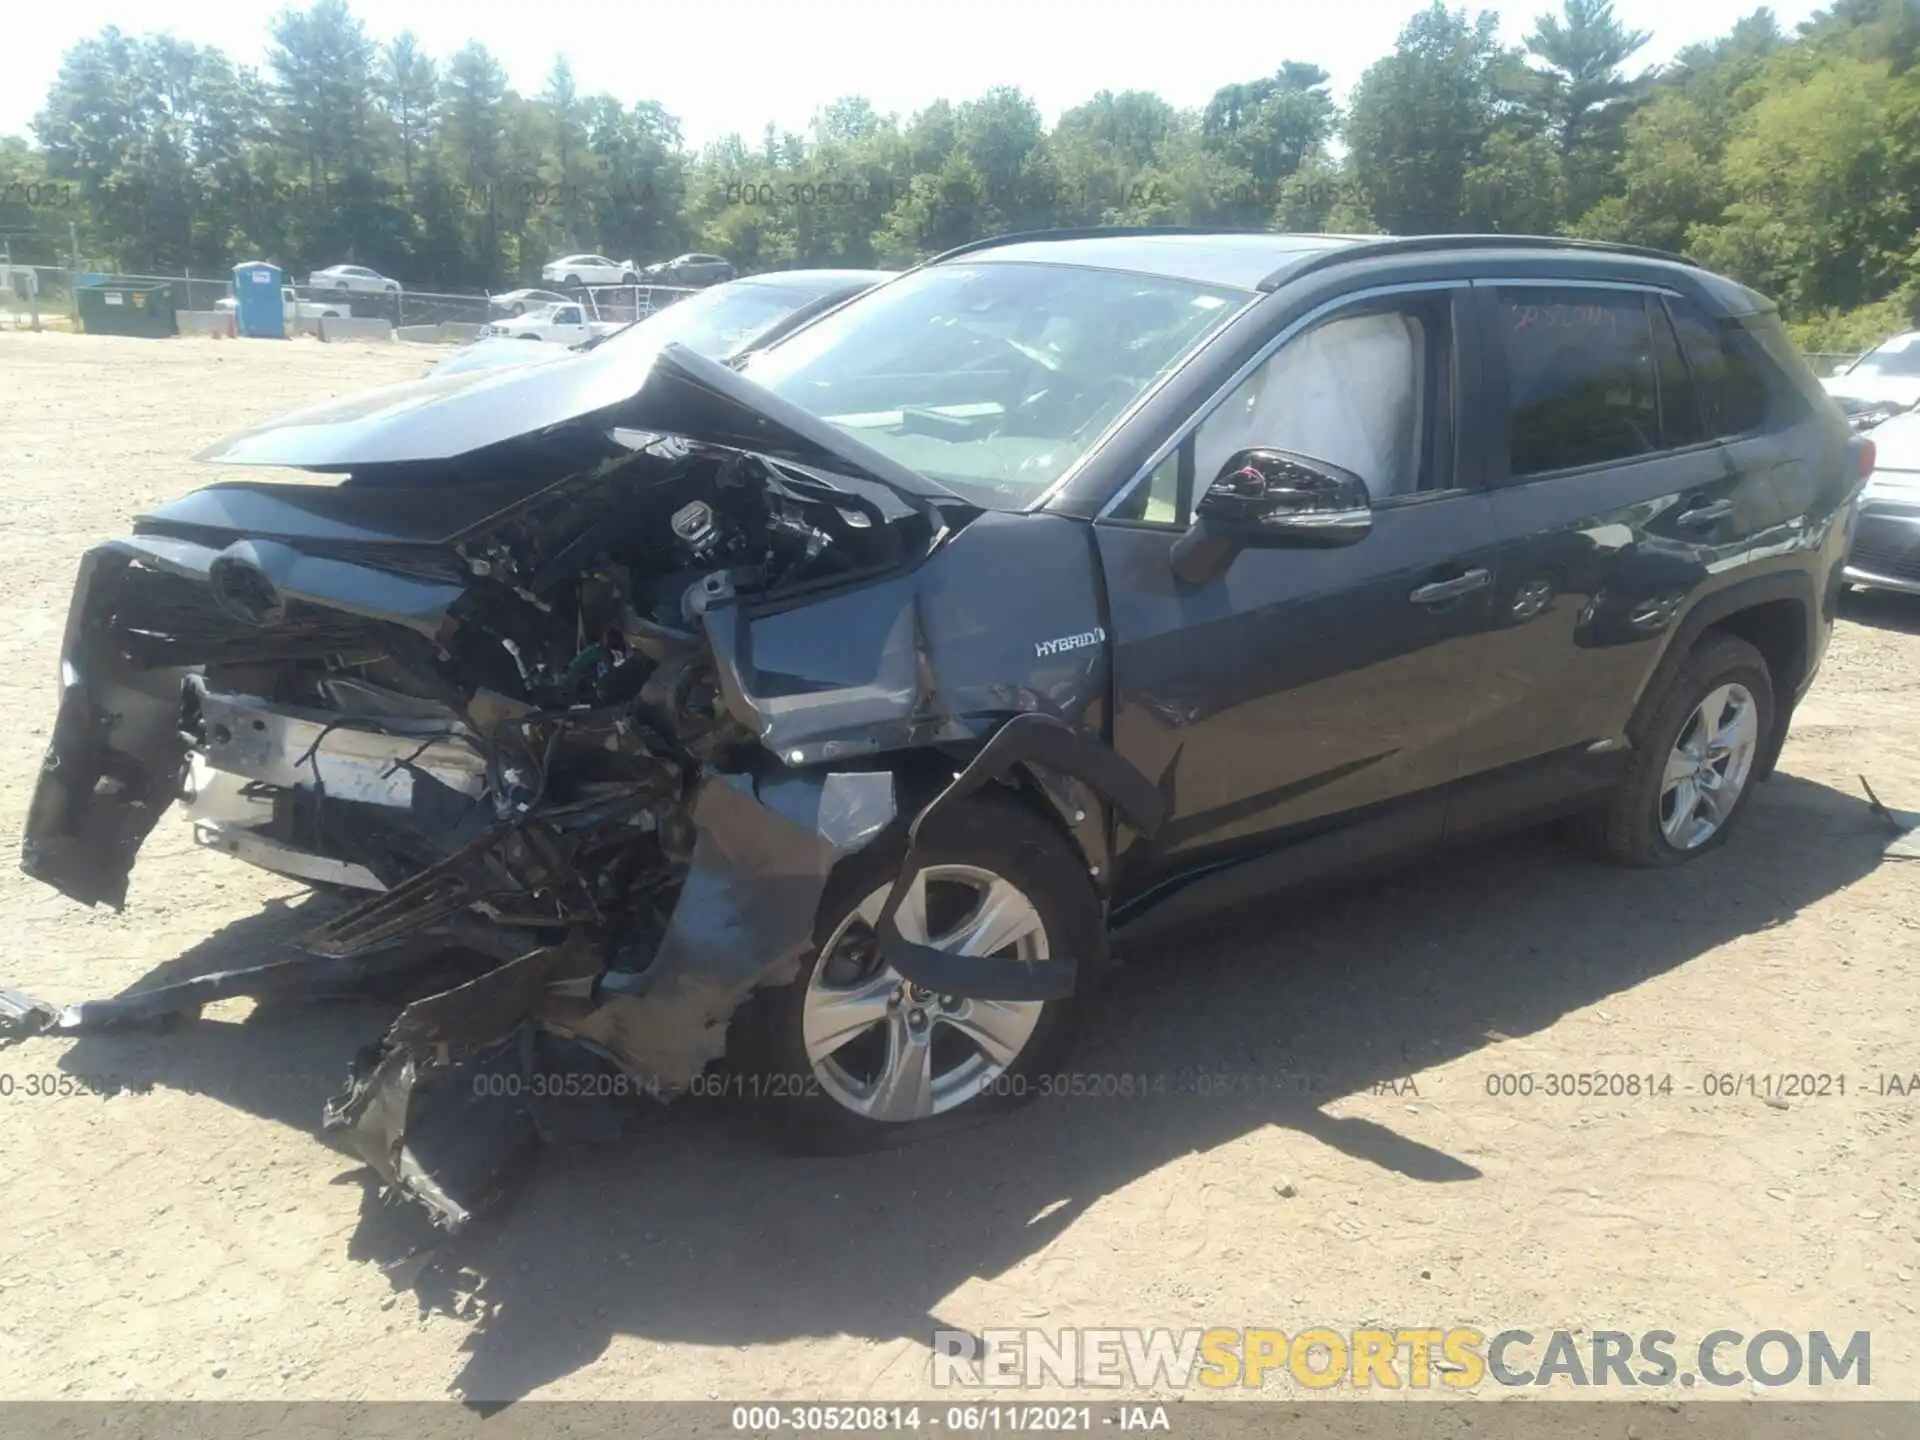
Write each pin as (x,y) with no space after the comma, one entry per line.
(1899,356)
(716,322)
(993,379)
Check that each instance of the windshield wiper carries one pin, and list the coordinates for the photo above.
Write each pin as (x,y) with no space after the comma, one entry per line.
(592,340)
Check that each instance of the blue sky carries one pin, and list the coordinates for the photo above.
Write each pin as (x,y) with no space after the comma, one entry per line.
(779,60)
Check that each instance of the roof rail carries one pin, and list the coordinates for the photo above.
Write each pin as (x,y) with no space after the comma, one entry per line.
(1085,232)
(1416,244)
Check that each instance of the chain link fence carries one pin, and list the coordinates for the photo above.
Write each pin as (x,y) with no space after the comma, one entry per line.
(1828,362)
(35,297)
(43,296)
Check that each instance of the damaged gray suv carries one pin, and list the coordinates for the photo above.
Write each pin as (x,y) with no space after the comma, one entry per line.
(815,726)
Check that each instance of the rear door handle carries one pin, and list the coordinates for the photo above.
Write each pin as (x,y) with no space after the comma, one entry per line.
(1452,589)
(1702,516)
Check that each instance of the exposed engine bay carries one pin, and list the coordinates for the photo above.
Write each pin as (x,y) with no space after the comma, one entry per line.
(572,668)
(588,747)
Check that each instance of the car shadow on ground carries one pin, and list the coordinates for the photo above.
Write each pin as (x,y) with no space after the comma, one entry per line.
(1882,609)
(692,1231)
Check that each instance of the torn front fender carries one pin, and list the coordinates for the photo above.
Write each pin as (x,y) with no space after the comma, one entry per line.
(744,919)
(1024,740)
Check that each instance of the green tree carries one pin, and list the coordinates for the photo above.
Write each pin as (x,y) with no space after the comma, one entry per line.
(1582,52)
(409,88)
(1422,118)
(1266,129)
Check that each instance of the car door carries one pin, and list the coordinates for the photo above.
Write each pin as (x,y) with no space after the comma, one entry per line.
(1311,695)
(569,324)
(1615,505)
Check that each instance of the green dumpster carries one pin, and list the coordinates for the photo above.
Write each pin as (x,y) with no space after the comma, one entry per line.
(127,307)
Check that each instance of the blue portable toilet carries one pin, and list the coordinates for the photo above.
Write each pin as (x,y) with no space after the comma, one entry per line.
(259,311)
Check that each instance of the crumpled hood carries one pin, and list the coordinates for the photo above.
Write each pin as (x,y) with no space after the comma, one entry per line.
(664,389)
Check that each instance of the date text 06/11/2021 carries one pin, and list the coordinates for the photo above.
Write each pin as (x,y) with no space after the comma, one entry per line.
(1029,1419)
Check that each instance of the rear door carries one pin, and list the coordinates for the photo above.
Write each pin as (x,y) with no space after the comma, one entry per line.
(1312,693)
(1615,507)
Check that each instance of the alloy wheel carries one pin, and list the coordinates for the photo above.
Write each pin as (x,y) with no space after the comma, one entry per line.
(1708,768)
(893,1052)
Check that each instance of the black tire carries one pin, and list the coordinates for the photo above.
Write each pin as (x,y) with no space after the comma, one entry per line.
(573,280)
(1627,831)
(767,1071)
(627,278)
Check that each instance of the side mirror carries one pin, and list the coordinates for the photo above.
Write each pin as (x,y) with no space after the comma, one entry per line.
(1270,498)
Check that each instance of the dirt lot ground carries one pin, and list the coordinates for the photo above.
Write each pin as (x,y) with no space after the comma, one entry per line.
(196,1240)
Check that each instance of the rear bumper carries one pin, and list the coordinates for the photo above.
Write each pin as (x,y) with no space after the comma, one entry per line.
(1886,546)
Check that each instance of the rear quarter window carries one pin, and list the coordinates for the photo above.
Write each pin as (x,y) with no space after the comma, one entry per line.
(1729,370)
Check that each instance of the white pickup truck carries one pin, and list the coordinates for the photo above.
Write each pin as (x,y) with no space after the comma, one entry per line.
(294,308)
(568,324)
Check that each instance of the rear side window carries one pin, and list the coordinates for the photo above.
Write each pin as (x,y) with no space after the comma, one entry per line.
(1732,389)
(1582,386)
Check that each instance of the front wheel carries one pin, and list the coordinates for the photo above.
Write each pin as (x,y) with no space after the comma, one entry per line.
(1694,761)
(850,1056)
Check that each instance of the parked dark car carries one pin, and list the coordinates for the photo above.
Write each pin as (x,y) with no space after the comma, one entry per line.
(820,721)
(691,269)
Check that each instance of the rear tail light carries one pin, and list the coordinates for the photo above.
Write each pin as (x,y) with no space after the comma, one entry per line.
(1868,454)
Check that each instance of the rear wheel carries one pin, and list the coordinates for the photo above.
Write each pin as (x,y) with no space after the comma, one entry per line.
(850,1056)
(1694,761)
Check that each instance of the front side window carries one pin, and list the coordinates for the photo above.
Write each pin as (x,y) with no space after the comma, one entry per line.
(994,378)
(1353,391)
(1581,378)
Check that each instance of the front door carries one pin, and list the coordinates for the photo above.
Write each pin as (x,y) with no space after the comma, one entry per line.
(1311,693)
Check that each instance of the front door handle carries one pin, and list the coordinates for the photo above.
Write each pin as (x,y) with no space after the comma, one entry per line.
(1701,516)
(1453,589)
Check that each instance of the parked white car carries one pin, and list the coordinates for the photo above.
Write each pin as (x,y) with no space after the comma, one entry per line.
(518,302)
(294,308)
(567,324)
(1882,383)
(353,278)
(590,270)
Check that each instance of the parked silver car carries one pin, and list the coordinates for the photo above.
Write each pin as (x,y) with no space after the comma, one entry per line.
(1886,540)
(353,279)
